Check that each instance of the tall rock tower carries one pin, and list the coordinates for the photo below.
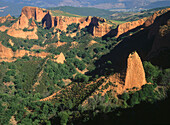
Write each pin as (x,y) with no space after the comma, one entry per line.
(135,74)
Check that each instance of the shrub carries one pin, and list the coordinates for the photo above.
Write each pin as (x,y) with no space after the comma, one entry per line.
(125,96)
(152,72)
(6,79)
(81,78)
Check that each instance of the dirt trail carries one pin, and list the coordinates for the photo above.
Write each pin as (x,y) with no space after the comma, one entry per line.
(51,96)
(38,78)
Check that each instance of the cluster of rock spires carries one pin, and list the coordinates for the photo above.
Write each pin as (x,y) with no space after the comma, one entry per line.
(60,22)
(97,26)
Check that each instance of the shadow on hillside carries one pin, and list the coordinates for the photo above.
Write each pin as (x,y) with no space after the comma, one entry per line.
(118,56)
(141,114)
(140,42)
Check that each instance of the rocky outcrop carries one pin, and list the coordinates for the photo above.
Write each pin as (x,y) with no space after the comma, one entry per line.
(59,58)
(17,28)
(61,22)
(158,34)
(125,27)
(22,22)
(4,28)
(3,19)
(98,27)
(134,79)
(23,34)
(5,52)
(8,53)
(135,74)
(34,13)
(142,23)
(152,18)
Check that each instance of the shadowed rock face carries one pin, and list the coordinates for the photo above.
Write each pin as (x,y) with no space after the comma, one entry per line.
(142,23)
(47,21)
(135,74)
(160,32)
(147,42)
(152,18)
(98,27)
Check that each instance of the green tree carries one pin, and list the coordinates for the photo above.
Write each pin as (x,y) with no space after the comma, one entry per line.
(134,99)
(63,117)
(125,96)
(81,78)
(152,72)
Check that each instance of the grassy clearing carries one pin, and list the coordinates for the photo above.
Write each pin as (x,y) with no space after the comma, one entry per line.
(61,13)
(117,22)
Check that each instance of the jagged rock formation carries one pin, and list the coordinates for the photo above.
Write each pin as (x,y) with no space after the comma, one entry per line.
(134,79)
(34,13)
(152,18)
(17,28)
(147,42)
(99,25)
(3,19)
(135,74)
(96,25)
(125,27)
(5,52)
(22,22)
(142,23)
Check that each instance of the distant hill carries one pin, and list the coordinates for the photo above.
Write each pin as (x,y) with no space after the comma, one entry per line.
(84,11)
(62,13)
(13,7)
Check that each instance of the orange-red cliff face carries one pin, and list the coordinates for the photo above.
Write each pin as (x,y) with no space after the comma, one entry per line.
(97,26)
(125,27)
(145,22)
(34,13)
(135,74)
(17,28)
(61,22)
(152,18)
(22,22)
(134,78)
